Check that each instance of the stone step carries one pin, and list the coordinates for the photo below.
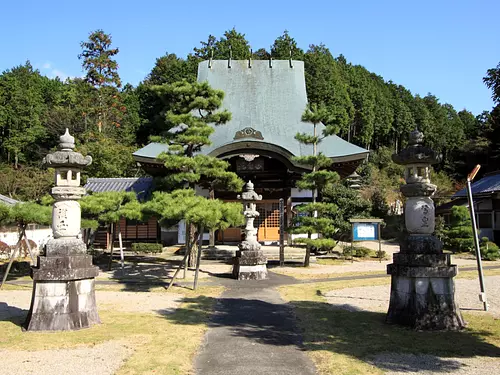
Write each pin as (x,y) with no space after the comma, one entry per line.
(270,253)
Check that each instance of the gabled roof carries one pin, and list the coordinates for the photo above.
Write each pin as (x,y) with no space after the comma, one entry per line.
(142,186)
(266,104)
(8,201)
(487,185)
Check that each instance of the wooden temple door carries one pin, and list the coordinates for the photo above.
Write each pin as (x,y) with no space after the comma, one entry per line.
(268,223)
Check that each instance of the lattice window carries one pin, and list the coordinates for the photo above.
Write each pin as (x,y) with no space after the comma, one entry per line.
(259,221)
(273,215)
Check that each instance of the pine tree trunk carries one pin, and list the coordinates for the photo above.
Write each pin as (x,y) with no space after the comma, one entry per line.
(307,256)
(212,231)
(194,245)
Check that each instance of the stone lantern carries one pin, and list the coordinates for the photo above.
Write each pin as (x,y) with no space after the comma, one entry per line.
(250,262)
(422,287)
(63,280)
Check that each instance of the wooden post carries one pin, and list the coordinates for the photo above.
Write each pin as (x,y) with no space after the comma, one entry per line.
(177,271)
(122,256)
(282,231)
(29,248)
(198,258)
(187,250)
(11,260)
(111,241)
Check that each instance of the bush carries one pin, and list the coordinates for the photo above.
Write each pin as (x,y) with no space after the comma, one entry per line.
(142,247)
(459,237)
(356,251)
(361,252)
(489,250)
(318,245)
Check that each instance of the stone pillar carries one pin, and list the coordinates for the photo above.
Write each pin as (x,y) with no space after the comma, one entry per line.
(250,262)
(63,281)
(422,287)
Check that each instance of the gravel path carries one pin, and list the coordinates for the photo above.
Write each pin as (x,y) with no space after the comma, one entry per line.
(101,359)
(17,302)
(407,364)
(376,298)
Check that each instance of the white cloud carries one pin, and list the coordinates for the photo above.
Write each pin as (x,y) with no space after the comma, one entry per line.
(57,73)
(47,65)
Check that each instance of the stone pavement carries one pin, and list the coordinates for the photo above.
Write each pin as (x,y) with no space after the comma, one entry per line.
(253,331)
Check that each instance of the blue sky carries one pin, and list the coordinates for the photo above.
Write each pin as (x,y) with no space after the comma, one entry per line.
(442,47)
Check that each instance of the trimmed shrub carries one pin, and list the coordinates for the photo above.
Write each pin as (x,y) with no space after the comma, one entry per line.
(459,237)
(318,245)
(144,247)
(489,250)
(361,252)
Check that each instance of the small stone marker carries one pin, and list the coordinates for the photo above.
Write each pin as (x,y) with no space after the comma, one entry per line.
(422,287)
(63,280)
(250,262)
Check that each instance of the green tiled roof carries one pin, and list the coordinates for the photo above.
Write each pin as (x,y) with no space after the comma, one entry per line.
(269,100)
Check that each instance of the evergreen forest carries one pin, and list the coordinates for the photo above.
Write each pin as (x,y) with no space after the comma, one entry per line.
(111,119)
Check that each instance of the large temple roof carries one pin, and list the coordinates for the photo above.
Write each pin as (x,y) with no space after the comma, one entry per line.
(266,105)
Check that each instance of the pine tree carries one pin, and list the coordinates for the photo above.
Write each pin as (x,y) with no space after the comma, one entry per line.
(102,74)
(107,208)
(190,110)
(313,219)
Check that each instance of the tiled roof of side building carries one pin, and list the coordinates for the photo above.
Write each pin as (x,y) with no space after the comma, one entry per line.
(7,200)
(487,185)
(142,186)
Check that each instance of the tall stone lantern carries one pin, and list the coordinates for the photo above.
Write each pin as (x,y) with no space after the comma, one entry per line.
(63,280)
(250,262)
(422,287)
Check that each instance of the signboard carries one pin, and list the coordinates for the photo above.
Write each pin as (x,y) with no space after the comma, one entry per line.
(365,231)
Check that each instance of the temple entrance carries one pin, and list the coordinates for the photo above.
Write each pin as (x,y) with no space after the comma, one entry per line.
(268,224)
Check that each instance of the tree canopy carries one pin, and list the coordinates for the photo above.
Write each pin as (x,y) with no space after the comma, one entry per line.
(110,119)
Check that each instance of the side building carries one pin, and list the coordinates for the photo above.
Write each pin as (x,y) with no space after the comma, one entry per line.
(132,230)
(267,100)
(486,197)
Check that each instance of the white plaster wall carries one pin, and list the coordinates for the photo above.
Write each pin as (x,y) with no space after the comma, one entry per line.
(203,192)
(296,193)
(39,236)
(485,232)
(301,235)
(181,233)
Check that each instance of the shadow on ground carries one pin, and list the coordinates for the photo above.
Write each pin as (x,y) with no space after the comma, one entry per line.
(361,334)
(18,270)
(12,314)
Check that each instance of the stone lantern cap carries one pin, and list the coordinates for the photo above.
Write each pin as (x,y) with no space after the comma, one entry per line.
(416,152)
(250,194)
(66,157)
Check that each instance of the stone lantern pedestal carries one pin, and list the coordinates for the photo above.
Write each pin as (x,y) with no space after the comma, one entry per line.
(250,262)
(422,287)
(63,280)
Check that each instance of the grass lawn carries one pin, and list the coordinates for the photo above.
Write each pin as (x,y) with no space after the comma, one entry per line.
(342,342)
(163,344)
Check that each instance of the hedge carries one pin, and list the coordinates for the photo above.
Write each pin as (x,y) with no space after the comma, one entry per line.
(144,247)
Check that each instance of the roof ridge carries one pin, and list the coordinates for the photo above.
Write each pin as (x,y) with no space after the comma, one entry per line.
(118,178)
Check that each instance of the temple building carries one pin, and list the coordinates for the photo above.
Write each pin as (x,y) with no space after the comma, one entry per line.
(267,99)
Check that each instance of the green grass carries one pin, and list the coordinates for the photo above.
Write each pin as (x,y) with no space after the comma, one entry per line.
(342,342)
(163,344)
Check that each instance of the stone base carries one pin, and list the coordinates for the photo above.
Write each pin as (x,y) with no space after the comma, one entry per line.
(424,303)
(63,294)
(62,306)
(257,272)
